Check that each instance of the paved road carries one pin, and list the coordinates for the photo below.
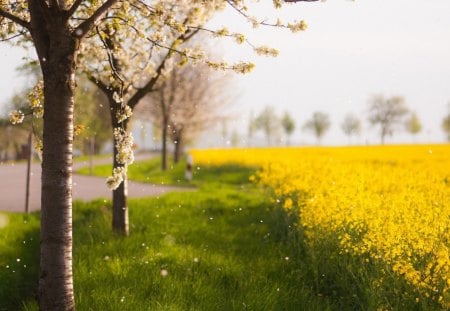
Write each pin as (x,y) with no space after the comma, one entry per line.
(13,181)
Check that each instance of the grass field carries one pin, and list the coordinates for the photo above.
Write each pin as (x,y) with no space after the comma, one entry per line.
(223,247)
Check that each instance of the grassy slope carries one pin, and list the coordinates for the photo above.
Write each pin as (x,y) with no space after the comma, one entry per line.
(224,247)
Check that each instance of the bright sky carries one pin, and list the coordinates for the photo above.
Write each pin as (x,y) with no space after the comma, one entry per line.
(352,50)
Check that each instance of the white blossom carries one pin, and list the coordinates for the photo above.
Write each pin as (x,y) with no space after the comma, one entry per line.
(16,117)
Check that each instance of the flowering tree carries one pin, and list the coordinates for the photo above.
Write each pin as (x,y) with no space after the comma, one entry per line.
(185,104)
(134,58)
(56,29)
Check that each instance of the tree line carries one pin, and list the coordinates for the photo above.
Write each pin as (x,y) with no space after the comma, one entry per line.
(386,114)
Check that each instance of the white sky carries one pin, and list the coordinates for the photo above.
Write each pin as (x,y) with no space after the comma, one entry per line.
(352,50)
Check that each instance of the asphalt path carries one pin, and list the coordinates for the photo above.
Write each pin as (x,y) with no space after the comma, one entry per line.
(86,188)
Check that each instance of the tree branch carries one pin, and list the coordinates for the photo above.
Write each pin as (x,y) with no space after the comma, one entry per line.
(141,92)
(102,86)
(151,83)
(108,44)
(14,36)
(241,10)
(15,19)
(73,8)
(87,25)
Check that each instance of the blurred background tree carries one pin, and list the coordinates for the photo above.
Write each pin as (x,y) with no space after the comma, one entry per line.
(190,100)
(446,124)
(251,129)
(386,113)
(413,124)
(351,125)
(318,125)
(269,122)
(91,119)
(288,124)
(12,140)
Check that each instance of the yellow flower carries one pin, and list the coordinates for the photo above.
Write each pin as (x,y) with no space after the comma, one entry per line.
(387,204)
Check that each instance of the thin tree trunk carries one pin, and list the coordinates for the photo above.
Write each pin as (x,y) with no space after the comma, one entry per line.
(120,195)
(29,155)
(164,144)
(58,66)
(91,155)
(120,205)
(178,148)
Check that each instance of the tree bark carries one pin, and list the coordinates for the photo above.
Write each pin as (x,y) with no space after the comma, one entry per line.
(57,56)
(120,195)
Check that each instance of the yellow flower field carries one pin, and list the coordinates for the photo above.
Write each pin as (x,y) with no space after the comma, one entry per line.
(389,205)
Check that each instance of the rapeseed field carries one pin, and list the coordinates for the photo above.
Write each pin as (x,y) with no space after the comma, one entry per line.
(386,206)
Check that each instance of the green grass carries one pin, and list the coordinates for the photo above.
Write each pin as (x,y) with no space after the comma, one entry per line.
(224,247)
(19,249)
(149,171)
(86,158)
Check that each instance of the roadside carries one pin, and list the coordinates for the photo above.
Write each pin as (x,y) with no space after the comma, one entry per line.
(85,188)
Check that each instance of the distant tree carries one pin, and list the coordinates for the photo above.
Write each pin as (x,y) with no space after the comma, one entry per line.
(351,125)
(386,112)
(186,103)
(234,140)
(318,124)
(413,125)
(91,117)
(288,125)
(269,122)
(12,138)
(446,124)
(251,129)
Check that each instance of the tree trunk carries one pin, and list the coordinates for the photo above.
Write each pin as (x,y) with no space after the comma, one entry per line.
(120,206)
(164,144)
(120,195)
(58,67)
(178,148)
